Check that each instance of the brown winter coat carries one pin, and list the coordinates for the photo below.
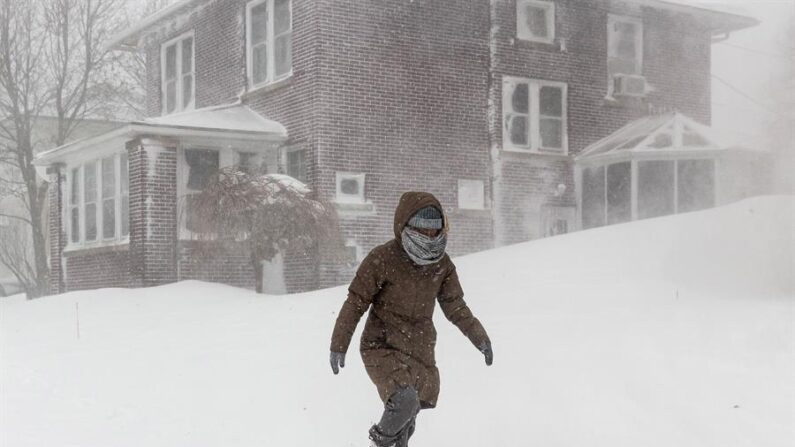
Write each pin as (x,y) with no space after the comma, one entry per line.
(399,338)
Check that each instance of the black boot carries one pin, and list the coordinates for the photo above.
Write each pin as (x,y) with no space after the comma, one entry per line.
(397,422)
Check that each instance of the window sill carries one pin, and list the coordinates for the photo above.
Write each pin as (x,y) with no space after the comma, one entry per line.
(353,208)
(97,248)
(554,45)
(562,155)
(269,87)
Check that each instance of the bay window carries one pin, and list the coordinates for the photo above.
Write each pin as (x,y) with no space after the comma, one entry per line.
(97,209)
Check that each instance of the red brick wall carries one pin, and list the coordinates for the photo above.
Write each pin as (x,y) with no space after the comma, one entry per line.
(153,216)
(57,239)
(95,268)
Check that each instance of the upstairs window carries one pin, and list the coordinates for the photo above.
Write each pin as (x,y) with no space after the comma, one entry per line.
(534,115)
(535,20)
(624,45)
(269,41)
(177,74)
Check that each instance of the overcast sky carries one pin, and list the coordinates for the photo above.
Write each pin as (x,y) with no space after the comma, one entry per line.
(746,61)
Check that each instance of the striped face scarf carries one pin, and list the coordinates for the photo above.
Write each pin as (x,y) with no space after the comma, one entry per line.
(422,249)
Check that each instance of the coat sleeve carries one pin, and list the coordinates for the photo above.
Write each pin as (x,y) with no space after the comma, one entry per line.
(365,285)
(451,300)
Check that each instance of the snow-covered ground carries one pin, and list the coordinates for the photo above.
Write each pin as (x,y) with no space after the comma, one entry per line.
(676,331)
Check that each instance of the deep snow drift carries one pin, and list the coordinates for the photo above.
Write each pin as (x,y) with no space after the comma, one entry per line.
(676,331)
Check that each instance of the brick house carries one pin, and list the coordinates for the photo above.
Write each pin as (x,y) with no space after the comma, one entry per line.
(484,103)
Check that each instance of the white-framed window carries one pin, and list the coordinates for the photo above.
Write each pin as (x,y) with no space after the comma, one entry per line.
(624,45)
(471,194)
(269,41)
(178,74)
(199,167)
(534,115)
(97,207)
(535,20)
(350,187)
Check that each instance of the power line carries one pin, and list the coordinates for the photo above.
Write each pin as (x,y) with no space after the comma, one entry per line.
(745,95)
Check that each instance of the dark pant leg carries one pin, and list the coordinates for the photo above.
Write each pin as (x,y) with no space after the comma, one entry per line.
(399,412)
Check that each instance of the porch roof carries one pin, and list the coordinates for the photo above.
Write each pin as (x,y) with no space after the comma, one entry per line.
(657,135)
(236,121)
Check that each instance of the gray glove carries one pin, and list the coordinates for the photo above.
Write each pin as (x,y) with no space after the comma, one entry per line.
(485,348)
(337,361)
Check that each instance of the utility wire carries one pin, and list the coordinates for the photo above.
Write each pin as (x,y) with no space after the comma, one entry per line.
(759,52)
(745,95)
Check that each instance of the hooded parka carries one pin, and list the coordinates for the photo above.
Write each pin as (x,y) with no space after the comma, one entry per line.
(399,338)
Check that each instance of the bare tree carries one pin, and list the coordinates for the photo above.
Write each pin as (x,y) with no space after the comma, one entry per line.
(269,213)
(52,61)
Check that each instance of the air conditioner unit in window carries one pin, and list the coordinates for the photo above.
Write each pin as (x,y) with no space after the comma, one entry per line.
(629,85)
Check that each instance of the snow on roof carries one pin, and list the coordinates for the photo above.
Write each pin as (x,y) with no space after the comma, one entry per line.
(657,133)
(128,38)
(719,18)
(236,118)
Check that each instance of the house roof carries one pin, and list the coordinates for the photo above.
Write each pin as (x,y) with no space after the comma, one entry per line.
(657,134)
(719,19)
(234,121)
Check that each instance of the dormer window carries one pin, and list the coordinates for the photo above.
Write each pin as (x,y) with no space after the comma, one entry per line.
(535,20)
(269,32)
(177,74)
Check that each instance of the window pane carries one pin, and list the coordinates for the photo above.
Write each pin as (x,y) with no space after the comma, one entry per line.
(108,218)
(202,165)
(187,90)
(91,222)
(90,174)
(192,222)
(187,55)
(75,195)
(283,54)
(295,165)
(551,133)
(655,188)
(520,98)
(259,23)
(593,197)
(171,62)
(349,186)
(171,96)
(125,174)
(619,200)
(260,64)
(281,17)
(696,184)
(518,128)
(625,46)
(108,177)
(75,233)
(125,215)
(551,101)
(536,18)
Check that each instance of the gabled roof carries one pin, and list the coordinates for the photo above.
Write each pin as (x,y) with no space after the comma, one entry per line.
(228,122)
(656,134)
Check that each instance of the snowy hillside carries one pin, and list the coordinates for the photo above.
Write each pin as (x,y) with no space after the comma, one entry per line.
(676,331)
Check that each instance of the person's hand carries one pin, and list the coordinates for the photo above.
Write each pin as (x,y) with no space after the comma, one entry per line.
(337,361)
(485,348)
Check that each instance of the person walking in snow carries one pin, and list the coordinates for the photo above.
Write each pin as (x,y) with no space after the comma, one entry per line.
(400,282)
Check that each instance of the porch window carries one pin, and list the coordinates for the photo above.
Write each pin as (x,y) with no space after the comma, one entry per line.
(296,166)
(177,61)
(269,41)
(655,188)
(619,193)
(201,164)
(695,185)
(98,202)
(534,115)
(535,20)
(593,197)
